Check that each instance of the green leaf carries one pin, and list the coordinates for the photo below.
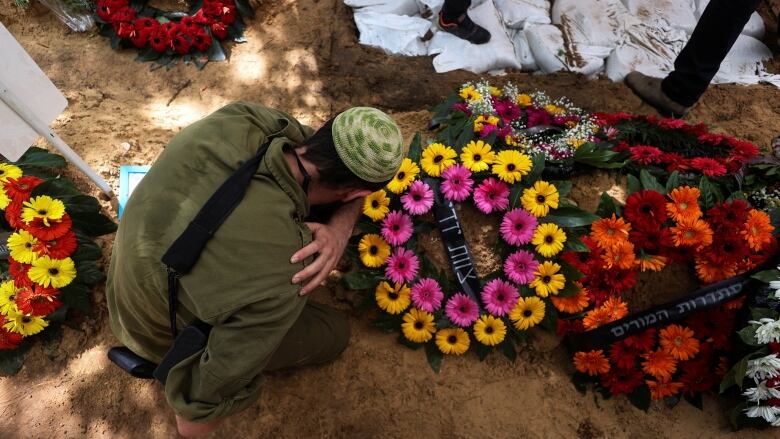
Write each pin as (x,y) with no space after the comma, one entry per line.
(59,188)
(93,224)
(590,154)
(574,244)
(40,158)
(89,273)
(215,51)
(11,361)
(434,356)
(359,280)
(77,296)
(550,320)
(570,217)
(740,369)
(767,275)
(710,195)
(640,398)
(514,196)
(481,350)
(148,55)
(633,184)
(673,181)
(569,290)
(564,187)
(408,343)
(58,315)
(649,182)
(763,313)
(608,206)
(748,335)
(537,168)
(508,349)
(671,401)
(415,148)
(78,204)
(569,271)
(580,381)
(443,110)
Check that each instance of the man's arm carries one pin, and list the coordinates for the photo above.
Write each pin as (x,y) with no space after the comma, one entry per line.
(330,240)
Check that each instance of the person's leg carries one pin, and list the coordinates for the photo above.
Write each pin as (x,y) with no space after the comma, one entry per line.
(453,9)
(454,19)
(717,30)
(320,335)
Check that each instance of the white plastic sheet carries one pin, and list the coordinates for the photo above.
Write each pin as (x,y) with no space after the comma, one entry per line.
(395,34)
(592,22)
(679,13)
(551,55)
(517,14)
(393,7)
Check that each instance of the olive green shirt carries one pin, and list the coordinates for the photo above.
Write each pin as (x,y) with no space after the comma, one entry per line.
(242,282)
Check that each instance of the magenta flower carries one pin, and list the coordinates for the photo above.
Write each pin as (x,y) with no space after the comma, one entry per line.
(520,267)
(499,297)
(487,130)
(518,226)
(419,199)
(491,195)
(457,184)
(462,310)
(402,266)
(397,228)
(427,295)
(507,111)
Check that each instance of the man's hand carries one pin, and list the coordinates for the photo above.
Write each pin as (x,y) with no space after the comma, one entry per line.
(329,243)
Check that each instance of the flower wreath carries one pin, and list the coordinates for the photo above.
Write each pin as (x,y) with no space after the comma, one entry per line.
(51,262)
(164,36)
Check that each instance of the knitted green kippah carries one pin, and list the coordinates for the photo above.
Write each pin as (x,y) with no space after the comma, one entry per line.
(369,142)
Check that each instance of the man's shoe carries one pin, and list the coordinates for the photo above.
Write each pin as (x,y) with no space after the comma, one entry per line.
(466,29)
(649,90)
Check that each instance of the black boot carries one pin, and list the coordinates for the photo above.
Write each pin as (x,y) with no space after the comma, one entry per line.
(465,28)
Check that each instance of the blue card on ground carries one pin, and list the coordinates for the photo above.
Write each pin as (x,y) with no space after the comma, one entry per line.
(129,177)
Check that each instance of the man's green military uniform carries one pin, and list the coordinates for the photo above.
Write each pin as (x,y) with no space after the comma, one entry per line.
(241,283)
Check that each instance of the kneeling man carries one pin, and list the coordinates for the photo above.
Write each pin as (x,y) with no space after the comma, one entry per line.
(246,284)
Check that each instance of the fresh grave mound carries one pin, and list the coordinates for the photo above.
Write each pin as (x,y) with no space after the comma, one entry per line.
(50,263)
(477,239)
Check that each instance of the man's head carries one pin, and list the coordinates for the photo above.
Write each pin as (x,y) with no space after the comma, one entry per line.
(355,153)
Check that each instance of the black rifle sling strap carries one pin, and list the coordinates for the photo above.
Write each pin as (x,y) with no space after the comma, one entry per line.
(185,251)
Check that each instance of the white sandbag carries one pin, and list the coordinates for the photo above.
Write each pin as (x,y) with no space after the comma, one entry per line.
(679,13)
(754,27)
(647,49)
(395,34)
(523,50)
(591,22)
(453,53)
(552,54)
(743,64)
(516,14)
(395,7)
(431,7)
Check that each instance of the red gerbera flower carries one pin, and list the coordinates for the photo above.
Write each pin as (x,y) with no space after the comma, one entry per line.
(623,355)
(622,381)
(619,281)
(671,124)
(201,40)
(728,216)
(18,271)
(742,150)
(709,167)
(727,249)
(675,162)
(714,326)
(566,327)
(54,230)
(159,39)
(19,189)
(37,300)
(642,342)
(13,214)
(645,207)
(652,239)
(695,130)
(59,248)
(8,339)
(646,155)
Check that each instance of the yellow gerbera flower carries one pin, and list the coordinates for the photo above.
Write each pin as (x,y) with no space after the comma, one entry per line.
(394,300)
(436,158)
(453,341)
(418,326)
(4,200)
(575,143)
(548,239)
(511,165)
(494,91)
(554,110)
(547,280)
(524,100)
(24,324)
(481,121)
(21,245)
(489,330)
(7,293)
(404,177)
(52,272)
(540,198)
(469,94)
(528,312)
(477,156)
(376,205)
(44,207)
(8,170)
(511,141)
(373,250)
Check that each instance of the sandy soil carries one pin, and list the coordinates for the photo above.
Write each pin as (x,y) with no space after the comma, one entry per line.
(303,57)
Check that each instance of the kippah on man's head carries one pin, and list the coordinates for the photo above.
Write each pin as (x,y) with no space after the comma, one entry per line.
(369,142)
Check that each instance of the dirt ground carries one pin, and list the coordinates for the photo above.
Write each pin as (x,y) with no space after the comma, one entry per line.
(303,56)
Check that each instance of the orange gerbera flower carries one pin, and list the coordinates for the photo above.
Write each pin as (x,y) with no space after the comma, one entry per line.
(662,389)
(692,233)
(572,304)
(679,341)
(758,229)
(608,232)
(710,272)
(660,364)
(616,308)
(592,363)
(620,255)
(596,317)
(652,262)
(685,205)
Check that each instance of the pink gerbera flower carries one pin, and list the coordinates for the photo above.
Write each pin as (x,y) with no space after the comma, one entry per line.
(457,183)
(397,228)
(427,295)
(462,310)
(419,199)
(402,266)
(518,226)
(520,267)
(491,195)
(499,297)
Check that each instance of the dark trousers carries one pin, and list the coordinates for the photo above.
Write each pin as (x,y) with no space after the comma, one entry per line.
(717,30)
(453,9)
